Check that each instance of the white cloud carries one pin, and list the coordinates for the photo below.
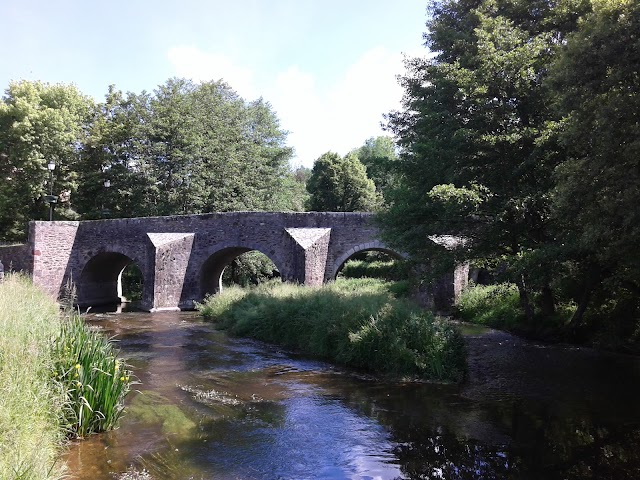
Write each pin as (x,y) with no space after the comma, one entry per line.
(343,115)
(193,63)
(337,117)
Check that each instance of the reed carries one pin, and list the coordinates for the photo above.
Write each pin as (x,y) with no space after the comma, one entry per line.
(94,379)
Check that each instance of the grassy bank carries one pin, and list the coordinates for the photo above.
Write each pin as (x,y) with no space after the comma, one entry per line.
(58,379)
(30,404)
(357,323)
(498,306)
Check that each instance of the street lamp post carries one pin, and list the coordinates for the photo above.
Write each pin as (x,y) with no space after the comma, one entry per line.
(106,213)
(51,198)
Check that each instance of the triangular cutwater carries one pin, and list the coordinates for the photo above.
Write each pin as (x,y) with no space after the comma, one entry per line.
(307,237)
(160,239)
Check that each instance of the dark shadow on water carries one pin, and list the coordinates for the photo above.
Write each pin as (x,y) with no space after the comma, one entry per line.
(128,307)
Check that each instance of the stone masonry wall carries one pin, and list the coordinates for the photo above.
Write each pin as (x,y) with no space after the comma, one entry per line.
(52,244)
(16,258)
(172,252)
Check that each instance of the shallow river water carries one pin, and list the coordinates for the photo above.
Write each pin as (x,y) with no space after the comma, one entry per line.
(214,407)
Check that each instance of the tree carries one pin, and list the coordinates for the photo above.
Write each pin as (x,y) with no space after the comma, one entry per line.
(476,161)
(597,78)
(39,123)
(378,156)
(186,148)
(293,196)
(341,185)
(111,153)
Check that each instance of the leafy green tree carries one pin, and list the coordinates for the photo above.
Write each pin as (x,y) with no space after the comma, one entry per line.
(111,153)
(39,123)
(341,185)
(596,199)
(250,268)
(185,148)
(378,156)
(209,150)
(293,196)
(476,161)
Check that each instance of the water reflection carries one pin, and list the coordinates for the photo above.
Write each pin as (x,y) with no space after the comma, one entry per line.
(215,407)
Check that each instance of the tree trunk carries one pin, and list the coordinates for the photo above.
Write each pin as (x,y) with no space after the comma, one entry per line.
(593,277)
(576,319)
(525,302)
(548,302)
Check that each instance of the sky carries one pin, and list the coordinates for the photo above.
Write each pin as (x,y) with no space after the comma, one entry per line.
(328,68)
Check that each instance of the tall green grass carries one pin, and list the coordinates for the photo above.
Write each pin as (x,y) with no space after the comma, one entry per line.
(357,323)
(388,269)
(31,405)
(94,380)
(496,306)
(58,379)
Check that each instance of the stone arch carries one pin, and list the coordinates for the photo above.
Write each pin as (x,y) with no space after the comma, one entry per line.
(212,268)
(100,283)
(374,245)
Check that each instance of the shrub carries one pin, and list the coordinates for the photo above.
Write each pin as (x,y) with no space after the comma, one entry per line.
(358,323)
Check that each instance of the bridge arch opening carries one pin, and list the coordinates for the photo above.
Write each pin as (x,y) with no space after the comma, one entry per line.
(109,278)
(236,266)
(371,260)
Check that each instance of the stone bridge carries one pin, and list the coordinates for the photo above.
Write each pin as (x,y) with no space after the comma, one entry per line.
(182,257)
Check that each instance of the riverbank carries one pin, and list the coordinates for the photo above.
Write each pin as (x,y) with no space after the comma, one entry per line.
(31,436)
(58,380)
(498,306)
(353,322)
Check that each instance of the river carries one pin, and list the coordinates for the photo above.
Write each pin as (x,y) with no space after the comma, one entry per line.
(214,407)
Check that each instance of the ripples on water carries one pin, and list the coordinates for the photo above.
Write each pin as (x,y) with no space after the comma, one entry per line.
(215,407)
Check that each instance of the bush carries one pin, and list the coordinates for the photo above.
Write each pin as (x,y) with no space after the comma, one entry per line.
(357,323)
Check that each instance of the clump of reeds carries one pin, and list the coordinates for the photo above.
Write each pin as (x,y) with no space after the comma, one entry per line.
(94,380)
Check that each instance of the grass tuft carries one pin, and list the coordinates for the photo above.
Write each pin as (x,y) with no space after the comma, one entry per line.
(94,380)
